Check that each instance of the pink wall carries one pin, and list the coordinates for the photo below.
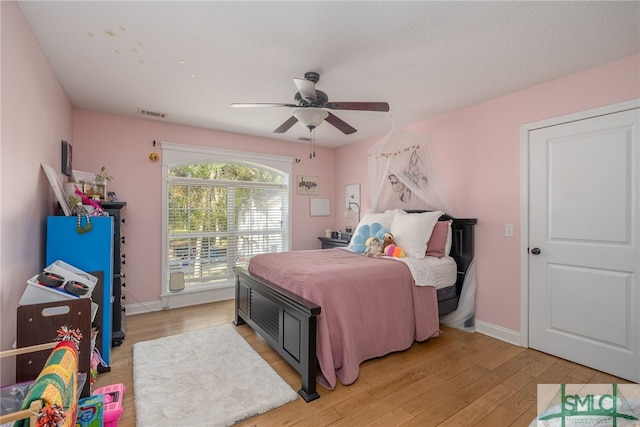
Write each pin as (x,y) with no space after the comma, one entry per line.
(123,145)
(478,150)
(36,116)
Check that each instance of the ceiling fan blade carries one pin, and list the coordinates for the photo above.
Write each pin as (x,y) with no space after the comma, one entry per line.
(340,124)
(286,125)
(363,106)
(306,88)
(264,104)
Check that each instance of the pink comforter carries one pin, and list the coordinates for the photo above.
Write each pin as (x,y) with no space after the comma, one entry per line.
(370,306)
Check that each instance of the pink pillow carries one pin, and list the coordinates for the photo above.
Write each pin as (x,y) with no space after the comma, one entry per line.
(437,242)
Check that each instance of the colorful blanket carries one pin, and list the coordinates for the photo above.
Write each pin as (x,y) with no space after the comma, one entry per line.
(57,387)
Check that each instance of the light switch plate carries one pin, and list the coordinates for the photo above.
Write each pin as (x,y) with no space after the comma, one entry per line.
(508,230)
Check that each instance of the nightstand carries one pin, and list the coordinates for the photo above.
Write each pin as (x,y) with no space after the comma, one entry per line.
(328,243)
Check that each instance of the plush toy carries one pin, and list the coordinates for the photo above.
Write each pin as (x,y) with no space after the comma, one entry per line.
(387,239)
(374,248)
(87,201)
(395,251)
(362,239)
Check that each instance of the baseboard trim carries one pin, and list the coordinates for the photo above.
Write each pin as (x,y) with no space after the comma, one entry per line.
(140,308)
(498,332)
(193,298)
(182,299)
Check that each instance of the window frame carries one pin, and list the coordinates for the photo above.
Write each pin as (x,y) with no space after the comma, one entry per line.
(180,155)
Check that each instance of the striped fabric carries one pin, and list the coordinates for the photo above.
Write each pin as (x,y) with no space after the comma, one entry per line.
(56,385)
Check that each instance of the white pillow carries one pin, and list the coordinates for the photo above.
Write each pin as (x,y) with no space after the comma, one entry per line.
(412,231)
(383,218)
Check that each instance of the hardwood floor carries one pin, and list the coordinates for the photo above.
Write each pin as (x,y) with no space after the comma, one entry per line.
(457,379)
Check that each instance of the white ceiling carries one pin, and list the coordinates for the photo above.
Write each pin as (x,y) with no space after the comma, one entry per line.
(192,59)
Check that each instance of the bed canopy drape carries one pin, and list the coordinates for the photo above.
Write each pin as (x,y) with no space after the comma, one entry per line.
(403,173)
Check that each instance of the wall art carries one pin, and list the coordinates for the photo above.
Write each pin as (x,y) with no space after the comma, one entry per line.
(66,158)
(319,206)
(307,185)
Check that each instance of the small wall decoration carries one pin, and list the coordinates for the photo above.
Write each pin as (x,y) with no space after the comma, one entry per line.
(307,184)
(352,196)
(319,206)
(66,158)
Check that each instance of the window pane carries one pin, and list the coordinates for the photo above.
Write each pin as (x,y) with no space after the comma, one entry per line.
(215,223)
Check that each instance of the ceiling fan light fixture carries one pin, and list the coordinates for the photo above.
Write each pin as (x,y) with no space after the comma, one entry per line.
(310,117)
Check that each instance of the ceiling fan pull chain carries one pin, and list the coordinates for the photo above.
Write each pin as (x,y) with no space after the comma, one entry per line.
(314,142)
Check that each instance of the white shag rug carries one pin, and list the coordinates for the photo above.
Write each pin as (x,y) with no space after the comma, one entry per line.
(209,377)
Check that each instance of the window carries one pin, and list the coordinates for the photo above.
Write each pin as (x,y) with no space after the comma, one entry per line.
(219,212)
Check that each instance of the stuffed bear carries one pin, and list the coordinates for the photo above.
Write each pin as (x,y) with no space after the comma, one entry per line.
(387,240)
(374,248)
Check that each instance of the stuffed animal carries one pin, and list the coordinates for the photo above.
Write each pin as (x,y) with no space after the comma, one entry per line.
(87,201)
(395,251)
(374,248)
(361,240)
(387,239)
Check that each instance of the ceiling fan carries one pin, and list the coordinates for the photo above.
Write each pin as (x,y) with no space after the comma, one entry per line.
(312,106)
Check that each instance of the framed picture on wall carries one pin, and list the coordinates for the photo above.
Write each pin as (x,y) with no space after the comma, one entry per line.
(307,185)
(319,206)
(67,154)
(352,196)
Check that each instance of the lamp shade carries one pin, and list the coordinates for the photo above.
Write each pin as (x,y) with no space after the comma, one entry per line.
(310,117)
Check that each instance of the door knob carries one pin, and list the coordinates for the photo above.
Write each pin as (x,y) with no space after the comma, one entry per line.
(536,251)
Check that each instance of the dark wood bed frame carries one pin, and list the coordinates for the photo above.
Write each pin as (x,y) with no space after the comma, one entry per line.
(288,322)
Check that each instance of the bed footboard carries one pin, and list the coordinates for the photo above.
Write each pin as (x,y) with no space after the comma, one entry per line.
(286,321)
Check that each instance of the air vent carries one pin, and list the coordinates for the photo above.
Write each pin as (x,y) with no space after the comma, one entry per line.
(304,138)
(152,114)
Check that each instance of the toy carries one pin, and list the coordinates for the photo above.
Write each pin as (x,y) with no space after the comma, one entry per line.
(80,211)
(87,201)
(90,411)
(387,239)
(78,201)
(362,239)
(113,396)
(395,251)
(374,248)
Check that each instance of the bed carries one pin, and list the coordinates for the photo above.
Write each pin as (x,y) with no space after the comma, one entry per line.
(326,311)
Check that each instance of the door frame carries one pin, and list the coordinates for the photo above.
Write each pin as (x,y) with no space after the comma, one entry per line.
(525,131)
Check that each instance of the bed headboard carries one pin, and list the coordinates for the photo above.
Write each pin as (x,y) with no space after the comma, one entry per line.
(462,245)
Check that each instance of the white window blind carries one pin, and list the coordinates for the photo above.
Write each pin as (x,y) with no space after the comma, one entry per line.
(213,225)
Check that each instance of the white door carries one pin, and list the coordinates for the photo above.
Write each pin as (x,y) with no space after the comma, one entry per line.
(584,234)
